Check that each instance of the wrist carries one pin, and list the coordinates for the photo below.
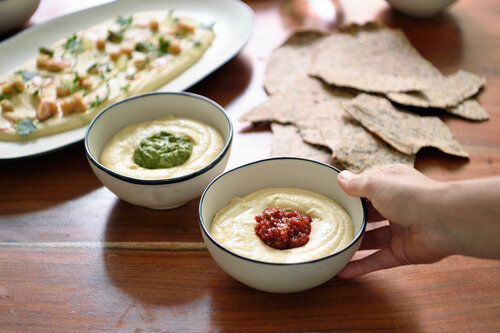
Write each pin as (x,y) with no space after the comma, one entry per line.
(436,205)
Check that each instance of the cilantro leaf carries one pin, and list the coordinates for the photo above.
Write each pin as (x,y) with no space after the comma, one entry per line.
(73,44)
(115,36)
(27,76)
(163,45)
(125,87)
(25,127)
(5,96)
(96,102)
(144,47)
(92,68)
(45,50)
(124,20)
(208,26)
(196,43)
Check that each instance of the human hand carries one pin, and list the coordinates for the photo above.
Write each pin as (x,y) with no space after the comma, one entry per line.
(405,197)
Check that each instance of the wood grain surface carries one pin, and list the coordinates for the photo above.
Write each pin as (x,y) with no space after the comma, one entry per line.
(73,257)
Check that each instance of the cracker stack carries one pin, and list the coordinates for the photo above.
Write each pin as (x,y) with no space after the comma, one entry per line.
(356,98)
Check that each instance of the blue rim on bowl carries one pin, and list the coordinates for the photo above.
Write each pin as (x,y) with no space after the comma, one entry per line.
(207,233)
(162,181)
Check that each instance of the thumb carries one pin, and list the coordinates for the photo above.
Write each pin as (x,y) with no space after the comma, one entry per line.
(352,184)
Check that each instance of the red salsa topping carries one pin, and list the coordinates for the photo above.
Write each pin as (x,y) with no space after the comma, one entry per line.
(282,229)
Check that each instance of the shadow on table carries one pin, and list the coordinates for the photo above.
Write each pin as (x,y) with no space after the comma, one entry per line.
(131,223)
(228,82)
(144,268)
(42,182)
(156,278)
(340,305)
(429,159)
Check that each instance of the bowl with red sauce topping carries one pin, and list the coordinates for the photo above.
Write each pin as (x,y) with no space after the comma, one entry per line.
(281,224)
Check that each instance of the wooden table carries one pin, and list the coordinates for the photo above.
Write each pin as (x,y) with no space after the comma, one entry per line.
(75,257)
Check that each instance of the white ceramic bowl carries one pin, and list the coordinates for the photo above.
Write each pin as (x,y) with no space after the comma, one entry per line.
(14,13)
(157,193)
(420,8)
(279,172)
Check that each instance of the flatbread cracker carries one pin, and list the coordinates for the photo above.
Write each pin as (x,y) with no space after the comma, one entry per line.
(470,109)
(290,62)
(298,101)
(286,141)
(352,146)
(316,110)
(372,58)
(403,130)
(447,91)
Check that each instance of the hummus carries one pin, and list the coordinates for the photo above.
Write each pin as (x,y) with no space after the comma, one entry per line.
(68,84)
(118,153)
(331,228)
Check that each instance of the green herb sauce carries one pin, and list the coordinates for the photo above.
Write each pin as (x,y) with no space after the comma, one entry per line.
(163,150)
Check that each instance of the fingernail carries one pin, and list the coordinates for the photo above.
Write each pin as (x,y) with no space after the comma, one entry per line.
(346,174)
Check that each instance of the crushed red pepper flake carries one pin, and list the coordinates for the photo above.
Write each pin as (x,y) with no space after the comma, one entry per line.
(282,229)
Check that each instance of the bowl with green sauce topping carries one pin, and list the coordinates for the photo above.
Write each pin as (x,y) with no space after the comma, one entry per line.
(161,149)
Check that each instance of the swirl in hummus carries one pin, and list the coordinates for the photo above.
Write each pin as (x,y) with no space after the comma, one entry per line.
(117,154)
(331,228)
